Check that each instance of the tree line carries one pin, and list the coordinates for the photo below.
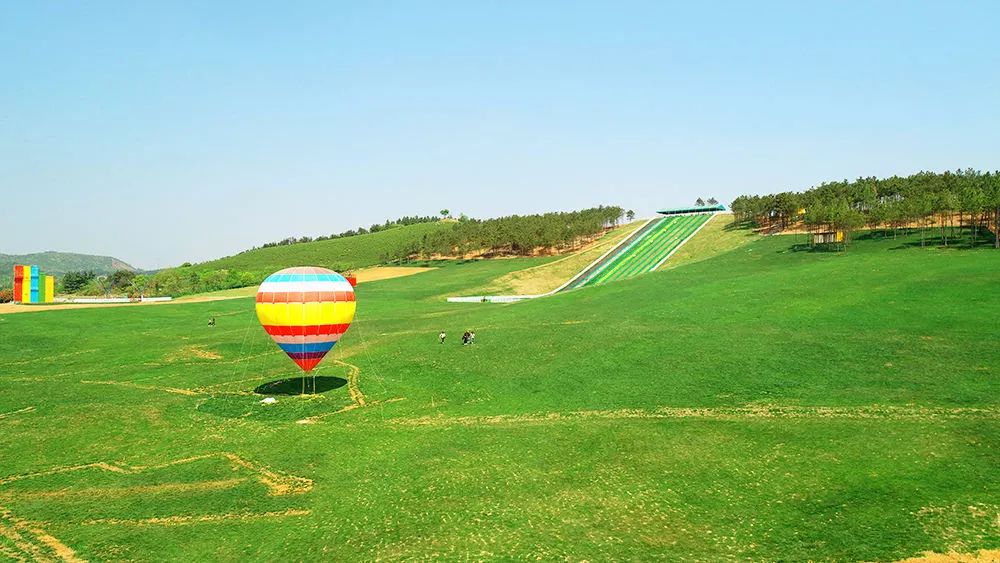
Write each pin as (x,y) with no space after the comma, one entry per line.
(518,235)
(511,235)
(967,199)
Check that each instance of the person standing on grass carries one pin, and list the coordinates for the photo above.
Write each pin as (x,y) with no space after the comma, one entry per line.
(465,339)
(472,337)
(442,336)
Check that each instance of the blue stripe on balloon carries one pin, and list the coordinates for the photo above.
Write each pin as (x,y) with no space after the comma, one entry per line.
(308,346)
(305,278)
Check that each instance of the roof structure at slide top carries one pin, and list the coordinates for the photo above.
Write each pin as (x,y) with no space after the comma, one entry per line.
(696,209)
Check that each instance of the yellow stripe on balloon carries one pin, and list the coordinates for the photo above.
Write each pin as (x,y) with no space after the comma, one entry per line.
(305,314)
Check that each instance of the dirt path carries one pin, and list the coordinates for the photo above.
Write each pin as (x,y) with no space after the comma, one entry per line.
(25,410)
(194,519)
(982,556)
(278,484)
(722,413)
(27,541)
(352,382)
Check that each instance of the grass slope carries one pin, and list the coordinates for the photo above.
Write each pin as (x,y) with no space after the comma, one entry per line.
(342,253)
(716,237)
(763,404)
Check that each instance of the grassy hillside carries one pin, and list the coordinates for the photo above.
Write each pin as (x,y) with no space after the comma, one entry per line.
(763,404)
(550,275)
(341,253)
(58,263)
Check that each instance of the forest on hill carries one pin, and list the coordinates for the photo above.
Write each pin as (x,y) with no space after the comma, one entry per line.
(402,240)
(935,203)
(513,235)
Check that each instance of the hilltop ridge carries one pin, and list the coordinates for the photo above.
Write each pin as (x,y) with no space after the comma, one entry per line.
(58,263)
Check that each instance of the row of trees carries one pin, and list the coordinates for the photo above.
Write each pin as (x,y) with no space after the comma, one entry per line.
(377,227)
(967,199)
(512,235)
(173,281)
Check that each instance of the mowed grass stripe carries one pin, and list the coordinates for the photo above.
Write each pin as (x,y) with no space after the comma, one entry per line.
(672,237)
(613,261)
(626,257)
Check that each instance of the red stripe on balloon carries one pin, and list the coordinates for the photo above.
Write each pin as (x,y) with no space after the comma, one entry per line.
(307,330)
(304,296)
(307,365)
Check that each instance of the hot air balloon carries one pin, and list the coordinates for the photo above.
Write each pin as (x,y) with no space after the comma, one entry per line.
(305,310)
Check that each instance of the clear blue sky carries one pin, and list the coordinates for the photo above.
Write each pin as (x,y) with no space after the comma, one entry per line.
(160,132)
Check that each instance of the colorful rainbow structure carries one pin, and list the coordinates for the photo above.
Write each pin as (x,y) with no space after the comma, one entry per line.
(32,287)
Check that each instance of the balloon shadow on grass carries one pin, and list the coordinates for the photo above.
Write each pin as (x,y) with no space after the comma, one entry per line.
(301,385)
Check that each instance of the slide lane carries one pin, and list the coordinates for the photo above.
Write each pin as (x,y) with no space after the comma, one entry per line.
(645,253)
(597,269)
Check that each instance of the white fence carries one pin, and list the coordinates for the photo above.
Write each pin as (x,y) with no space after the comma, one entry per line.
(492,298)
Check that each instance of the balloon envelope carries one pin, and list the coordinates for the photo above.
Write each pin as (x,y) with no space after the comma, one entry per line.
(305,310)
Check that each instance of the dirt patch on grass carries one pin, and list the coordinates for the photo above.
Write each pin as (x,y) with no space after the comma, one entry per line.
(961,527)
(982,556)
(25,410)
(194,519)
(174,390)
(117,492)
(366,275)
(278,484)
(721,413)
(352,382)
(191,352)
(27,541)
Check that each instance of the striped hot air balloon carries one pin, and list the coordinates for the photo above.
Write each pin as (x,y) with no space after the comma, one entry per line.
(305,310)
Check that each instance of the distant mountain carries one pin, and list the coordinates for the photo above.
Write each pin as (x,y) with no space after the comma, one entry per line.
(58,263)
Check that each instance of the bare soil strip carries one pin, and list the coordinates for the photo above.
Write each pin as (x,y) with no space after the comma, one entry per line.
(174,390)
(117,492)
(982,556)
(721,413)
(318,417)
(31,542)
(352,382)
(183,520)
(25,410)
(190,352)
(278,484)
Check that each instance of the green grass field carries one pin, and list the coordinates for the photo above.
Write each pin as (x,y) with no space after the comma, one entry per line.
(762,404)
